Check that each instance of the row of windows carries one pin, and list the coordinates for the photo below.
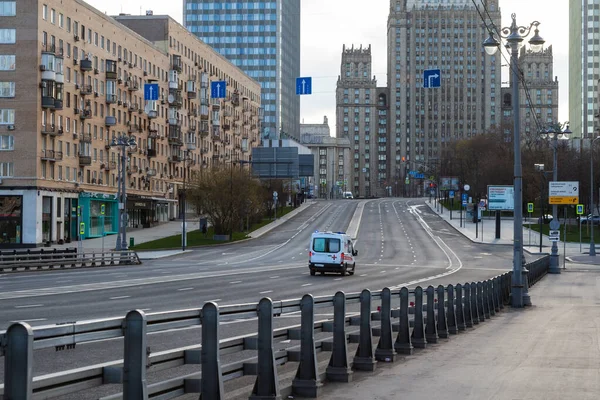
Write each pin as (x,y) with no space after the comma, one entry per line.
(232,5)
(233,28)
(8,8)
(233,51)
(230,17)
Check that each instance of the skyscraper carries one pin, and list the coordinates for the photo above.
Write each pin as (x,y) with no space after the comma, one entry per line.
(447,35)
(263,39)
(584,66)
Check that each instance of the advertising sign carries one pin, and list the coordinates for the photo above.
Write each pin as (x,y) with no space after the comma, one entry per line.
(449,183)
(501,198)
(563,192)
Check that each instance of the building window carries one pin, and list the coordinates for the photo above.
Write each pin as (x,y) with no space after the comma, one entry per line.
(8,8)
(6,169)
(10,219)
(7,62)
(7,142)
(7,89)
(44,12)
(8,36)
(61,20)
(7,116)
(53,16)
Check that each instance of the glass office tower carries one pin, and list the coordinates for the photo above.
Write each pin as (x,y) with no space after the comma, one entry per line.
(263,39)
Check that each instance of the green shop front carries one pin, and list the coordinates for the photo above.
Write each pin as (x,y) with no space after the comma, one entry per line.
(97,220)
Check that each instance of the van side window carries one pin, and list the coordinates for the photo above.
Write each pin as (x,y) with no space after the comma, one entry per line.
(334,245)
(319,244)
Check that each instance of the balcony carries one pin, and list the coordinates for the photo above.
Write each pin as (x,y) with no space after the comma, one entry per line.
(48,102)
(86,90)
(175,138)
(58,104)
(85,160)
(176,64)
(152,114)
(226,126)
(52,155)
(174,158)
(51,130)
(111,98)
(132,169)
(150,172)
(111,69)
(85,65)
(153,133)
(109,165)
(86,137)
(85,114)
(132,86)
(110,121)
(133,107)
(151,152)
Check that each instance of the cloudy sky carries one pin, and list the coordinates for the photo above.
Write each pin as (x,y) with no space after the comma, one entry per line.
(329,24)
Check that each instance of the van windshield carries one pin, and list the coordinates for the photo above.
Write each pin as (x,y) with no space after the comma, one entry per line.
(326,245)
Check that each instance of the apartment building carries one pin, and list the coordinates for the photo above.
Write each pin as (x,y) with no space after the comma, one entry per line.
(446,35)
(77,83)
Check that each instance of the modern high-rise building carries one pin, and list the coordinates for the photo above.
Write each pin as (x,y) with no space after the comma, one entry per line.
(263,39)
(584,66)
(446,35)
(72,79)
(361,112)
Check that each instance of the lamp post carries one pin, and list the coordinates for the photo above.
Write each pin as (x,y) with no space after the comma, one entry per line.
(186,158)
(123,142)
(514,35)
(554,133)
(592,243)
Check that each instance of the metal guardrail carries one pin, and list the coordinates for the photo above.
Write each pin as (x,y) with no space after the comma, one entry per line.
(29,262)
(443,311)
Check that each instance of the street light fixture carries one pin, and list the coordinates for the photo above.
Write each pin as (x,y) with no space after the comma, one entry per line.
(124,142)
(186,159)
(554,133)
(592,243)
(514,35)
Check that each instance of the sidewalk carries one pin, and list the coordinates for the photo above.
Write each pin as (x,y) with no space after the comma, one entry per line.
(547,351)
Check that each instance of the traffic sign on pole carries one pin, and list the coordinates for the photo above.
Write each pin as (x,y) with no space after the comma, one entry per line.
(432,78)
(151,91)
(304,85)
(529,207)
(563,192)
(579,209)
(218,89)
(102,209)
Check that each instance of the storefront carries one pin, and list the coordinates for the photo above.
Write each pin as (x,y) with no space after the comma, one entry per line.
(11,220)
(95,223)
(144,212)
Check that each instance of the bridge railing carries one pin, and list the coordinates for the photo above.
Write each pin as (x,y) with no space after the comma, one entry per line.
(422,316)
(20,262)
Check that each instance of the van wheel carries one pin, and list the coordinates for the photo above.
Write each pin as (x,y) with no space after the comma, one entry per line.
(312,272)
(345,270)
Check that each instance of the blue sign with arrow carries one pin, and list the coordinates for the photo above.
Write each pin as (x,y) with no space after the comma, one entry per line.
(304,85)
(464,199)
(218,89)
(151,91)
(432,78)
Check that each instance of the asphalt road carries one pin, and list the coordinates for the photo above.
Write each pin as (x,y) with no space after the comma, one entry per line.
(400,243)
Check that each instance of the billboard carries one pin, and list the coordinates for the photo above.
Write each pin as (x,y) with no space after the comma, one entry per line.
(501,198)
(563,193)
(449,183)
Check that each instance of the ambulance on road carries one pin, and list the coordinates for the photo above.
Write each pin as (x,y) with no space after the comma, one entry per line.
(331,252)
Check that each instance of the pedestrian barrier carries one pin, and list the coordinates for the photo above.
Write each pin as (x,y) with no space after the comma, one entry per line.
(448,310)
(48,261)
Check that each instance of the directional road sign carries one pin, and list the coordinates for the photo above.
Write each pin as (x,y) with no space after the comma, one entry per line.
(218,89)
(464,199)
(432,78)
(563,192)
(304,85)
(151,91)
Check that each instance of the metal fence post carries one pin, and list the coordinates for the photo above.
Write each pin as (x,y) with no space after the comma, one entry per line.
(403,344)
(430,328)
(418,334)
(135,357)
(18,362)
(498,293)
(212,382)
(490,292)
(385,347)
(363,360)
(474,309)
(266,386)
(480,309)
(460,313)
(307,382)
(450,313)
(485,298)
(442,324)
(338,369)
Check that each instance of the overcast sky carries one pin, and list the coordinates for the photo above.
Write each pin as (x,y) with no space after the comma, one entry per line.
(328,24)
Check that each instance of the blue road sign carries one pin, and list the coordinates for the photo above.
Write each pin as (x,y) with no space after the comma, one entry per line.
(151,91)
(304,85)
(218,89)
(451,194)
(464,199)
(432,78)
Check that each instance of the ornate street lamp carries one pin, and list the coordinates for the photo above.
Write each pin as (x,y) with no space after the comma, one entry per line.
(124,142)
(514,35)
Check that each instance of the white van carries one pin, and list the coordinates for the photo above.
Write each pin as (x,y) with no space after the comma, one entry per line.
(331,252)
(348,195)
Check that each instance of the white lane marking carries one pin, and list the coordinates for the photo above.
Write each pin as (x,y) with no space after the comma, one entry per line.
(31,320)
(29,306)
(119,297)
(364,275)
(235,282)
(266,291)
(274,277)
(307,284)
(214,301)
(185,288)
(64,281)
(337,279)
(146,309)
(383,272)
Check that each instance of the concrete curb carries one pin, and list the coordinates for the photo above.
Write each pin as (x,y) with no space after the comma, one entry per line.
(267,228)
(355,221)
